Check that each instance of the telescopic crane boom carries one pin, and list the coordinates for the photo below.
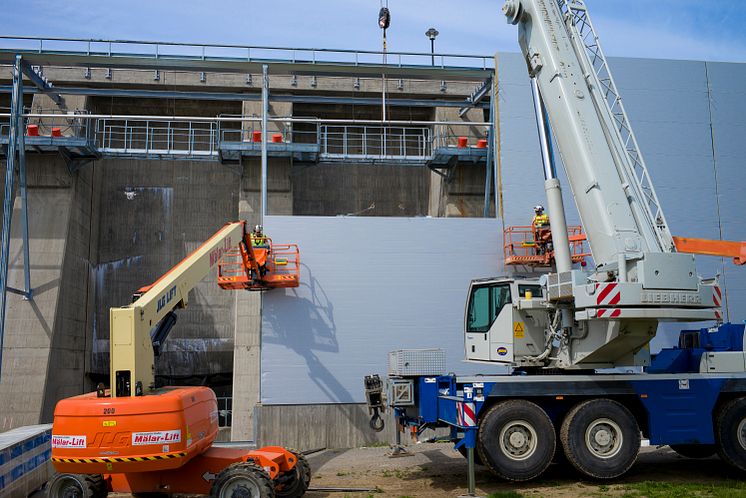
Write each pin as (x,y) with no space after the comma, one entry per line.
(605,317)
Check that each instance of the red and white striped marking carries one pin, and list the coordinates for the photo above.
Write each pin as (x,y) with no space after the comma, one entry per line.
(717,297)
(466,414)
(608,313)
(608,294)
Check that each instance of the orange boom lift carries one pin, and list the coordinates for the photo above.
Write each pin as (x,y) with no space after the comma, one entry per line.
(139,438)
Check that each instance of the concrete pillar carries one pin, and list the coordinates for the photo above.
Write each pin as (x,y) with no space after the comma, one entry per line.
(459,197)
(276,110)
(247,334)
(248,319)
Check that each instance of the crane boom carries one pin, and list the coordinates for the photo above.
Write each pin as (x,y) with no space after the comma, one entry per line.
(608,315)
(603,166)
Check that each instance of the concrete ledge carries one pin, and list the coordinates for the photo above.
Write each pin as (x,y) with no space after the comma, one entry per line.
(319,426)
(25,463)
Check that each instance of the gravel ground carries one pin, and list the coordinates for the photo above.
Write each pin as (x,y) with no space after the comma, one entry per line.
(436,470)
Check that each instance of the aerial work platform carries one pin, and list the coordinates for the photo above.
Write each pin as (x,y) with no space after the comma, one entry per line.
(529,246)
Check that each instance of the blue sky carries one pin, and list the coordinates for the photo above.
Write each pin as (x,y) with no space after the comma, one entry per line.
(679,29)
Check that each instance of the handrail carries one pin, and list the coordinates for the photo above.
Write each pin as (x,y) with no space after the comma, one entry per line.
(390,59)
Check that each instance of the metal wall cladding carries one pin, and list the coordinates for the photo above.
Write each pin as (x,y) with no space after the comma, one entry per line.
(373,285)
(369,286)
(688,118)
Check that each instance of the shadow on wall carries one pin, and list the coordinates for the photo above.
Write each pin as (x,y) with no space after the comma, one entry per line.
(308,305)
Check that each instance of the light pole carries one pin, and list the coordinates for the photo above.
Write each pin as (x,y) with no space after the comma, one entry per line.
(432,33)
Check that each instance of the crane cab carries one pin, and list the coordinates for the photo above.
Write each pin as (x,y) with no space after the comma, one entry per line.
(505,321)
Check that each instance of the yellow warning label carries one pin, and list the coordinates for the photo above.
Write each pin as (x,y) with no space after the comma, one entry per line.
(518,330)
(110,423)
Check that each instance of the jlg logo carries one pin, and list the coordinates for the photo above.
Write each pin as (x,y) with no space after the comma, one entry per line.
(111,440)
(166,298)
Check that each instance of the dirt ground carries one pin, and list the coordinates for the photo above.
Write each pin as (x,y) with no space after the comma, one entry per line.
(438,471)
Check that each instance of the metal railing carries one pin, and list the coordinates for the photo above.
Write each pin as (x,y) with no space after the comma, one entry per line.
(375,142)
(205,137)
(74,124)
(174,138)
(245,53)
(291,130)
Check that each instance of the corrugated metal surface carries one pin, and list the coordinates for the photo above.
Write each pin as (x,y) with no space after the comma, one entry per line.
(369,285)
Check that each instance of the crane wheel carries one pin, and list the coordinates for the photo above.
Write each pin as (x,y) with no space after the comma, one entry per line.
(295,483)
(601,438)
(516,440)
(730,433)
(242,480)
(77,486)
(695,450)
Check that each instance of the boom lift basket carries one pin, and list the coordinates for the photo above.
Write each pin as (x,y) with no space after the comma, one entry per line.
(268,266)
(523,245)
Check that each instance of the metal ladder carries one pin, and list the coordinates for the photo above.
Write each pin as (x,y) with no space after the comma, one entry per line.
(597,73)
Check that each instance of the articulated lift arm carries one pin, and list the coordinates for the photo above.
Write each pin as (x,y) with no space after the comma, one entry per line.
(708,247)
(132,362)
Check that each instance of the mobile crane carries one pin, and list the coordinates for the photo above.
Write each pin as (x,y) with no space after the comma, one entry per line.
(138,437)
(556,331)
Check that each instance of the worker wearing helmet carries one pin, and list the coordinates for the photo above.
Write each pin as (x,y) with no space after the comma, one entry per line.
(540,217)
(258,239)
(260,248)
(540,227)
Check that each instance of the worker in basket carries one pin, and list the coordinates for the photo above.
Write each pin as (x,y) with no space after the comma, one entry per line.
(542,232)
(260,247)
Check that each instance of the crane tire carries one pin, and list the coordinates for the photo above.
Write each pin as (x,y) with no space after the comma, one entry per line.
(601,438)
(245,477)
(516,440)
(695,450)
(730,433)
(86,485)
(296,484)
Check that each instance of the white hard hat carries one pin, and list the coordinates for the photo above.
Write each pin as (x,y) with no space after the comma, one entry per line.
(258,228)
(538,207)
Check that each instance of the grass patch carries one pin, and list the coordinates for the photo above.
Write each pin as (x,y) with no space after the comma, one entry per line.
(505,494)
(655,489)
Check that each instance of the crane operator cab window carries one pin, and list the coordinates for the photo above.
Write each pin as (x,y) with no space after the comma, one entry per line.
(485,303)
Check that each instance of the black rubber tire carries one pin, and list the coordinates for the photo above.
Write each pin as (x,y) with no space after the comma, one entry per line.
(477,460)
(601,414)
(297,483)
(247,476)
(534,433)
(730,433)
(88,485)
(695,450)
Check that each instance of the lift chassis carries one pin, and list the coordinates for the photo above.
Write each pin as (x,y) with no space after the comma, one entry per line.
(692,398)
